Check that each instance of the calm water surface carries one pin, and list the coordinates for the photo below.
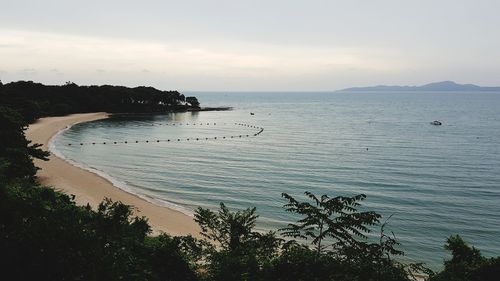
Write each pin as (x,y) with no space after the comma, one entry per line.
(434,180)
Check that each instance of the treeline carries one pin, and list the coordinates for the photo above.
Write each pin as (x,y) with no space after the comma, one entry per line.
(44,235)
(35,100)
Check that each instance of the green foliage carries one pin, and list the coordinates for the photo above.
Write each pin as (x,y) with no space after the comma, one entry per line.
(298,262)
(374,261)
(243,254)
(239,252)
(467,263)
(34,100)
(232,231)
(336,218)
(351,257)
(193,101)
(45,236)
(168,256)
(16,152)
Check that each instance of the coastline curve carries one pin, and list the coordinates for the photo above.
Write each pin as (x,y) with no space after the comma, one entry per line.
(91,186)
(114,181)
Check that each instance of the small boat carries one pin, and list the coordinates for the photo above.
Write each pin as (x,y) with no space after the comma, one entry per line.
(251,113)
(436,123)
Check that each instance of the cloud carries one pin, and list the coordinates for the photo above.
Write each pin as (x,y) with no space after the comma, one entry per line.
(56,71)
(66,50)
(86,59)
(29,71)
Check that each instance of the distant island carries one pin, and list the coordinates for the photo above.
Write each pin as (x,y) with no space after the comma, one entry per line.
(437,86)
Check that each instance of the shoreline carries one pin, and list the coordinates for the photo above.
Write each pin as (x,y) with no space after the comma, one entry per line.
(89,187)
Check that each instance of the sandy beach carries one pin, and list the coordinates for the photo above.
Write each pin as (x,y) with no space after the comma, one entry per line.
(91,188)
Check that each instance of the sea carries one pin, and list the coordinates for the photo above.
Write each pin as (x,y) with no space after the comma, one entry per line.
(428,182)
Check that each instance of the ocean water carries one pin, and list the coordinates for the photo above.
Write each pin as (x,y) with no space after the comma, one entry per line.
(435,181)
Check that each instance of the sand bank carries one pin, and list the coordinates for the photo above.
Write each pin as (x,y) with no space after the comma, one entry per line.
(92,188)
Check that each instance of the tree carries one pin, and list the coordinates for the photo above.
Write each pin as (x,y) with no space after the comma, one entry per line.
(240,252)
(375,261)
(231,230)
(168,258)
(467,263)
(336,218)
(193,101)
(34,100)
(15,149)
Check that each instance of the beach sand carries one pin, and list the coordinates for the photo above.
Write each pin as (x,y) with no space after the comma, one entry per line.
(91,188)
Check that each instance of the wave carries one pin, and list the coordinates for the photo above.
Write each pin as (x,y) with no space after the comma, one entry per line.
(115,182)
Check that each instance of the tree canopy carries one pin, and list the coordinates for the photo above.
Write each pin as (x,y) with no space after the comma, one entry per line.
(33,100)
(16,152)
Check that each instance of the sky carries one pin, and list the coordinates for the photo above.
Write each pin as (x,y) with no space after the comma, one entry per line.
(270,45)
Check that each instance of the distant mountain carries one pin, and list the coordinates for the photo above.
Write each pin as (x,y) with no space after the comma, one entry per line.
(438,86)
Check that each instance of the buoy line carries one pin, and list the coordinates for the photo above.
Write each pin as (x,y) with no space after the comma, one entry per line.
(261,129)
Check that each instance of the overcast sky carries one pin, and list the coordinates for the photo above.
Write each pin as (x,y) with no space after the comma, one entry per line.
(250,45)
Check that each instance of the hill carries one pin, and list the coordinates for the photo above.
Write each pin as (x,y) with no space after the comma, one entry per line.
(432,87)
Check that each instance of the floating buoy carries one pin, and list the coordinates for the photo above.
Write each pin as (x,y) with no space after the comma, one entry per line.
(261,129)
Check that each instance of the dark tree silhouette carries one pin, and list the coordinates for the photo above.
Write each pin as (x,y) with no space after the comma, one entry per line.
(336,218)
(34,100)
(16,151)
(193,101)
